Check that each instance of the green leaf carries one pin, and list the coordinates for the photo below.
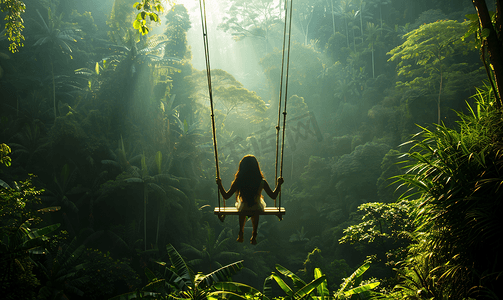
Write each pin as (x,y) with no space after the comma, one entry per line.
(37,233)
(185,126)
(308,288)
(267,287)
(159,7)
(322,289)
(222,274)
(138,5)
(235,290)
(179,264)
(154,17)
(226,295)
(299,283)
(49,209)
(282,284)
(356,274)
(144,29)
(137,24)
(361,289)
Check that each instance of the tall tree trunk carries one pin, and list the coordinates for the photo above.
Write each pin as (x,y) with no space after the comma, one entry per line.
(380,14)
(53,88)
(361,19)
(333,16)
(373,64)
(347,32)
(145,199)
(493,42)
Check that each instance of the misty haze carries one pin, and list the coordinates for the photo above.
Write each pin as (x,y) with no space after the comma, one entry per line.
(251,149)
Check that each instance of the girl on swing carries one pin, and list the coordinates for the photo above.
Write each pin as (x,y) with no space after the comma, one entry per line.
(248,185)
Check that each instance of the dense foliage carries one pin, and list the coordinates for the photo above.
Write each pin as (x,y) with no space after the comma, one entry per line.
(107,169)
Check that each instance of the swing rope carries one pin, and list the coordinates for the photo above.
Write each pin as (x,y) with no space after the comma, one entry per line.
(202,6)
(281,96)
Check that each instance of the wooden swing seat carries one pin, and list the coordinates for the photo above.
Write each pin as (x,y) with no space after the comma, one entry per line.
(275,211)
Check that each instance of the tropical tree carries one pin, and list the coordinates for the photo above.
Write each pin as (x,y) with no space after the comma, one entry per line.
(230,95)
(380,4)
(92,77)
(16,246)
(384,232)
(304,15)
(59,272)
(19,238)
(29,144)
(425,58)
(161,183)
(63,186)
(119,20)
(381,221)
(177,25)
(344,10)
(54,40)
(306,67)
(372,37)
(252,19)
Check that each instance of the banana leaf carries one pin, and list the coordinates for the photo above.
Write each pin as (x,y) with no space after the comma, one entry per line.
(282,284)
(308,288)
(361,289)
(298,283)
(236,290)
(322,289)
(180,267)
(221,274)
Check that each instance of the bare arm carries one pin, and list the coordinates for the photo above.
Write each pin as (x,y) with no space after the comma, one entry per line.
(225,194)
(271,193)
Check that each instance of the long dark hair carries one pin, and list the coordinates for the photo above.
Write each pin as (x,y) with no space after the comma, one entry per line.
(248,179)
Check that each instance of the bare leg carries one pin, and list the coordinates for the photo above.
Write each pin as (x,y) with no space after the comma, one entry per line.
(254,219)
(242,221)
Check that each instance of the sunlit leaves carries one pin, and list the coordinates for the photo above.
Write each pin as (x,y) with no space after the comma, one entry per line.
(14,22)
(300,289)
(92,75)
(4,152)
(457,175)
(429,43)
(149,10)
(431,63)
(380,221)
(476,31)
